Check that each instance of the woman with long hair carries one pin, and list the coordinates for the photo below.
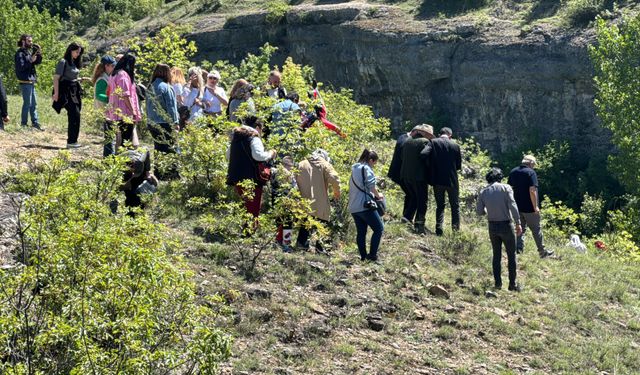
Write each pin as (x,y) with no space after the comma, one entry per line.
(100,80)
(240,93)
(67,92)
(177,83)
(162,109)
(193,99)
(362,189)
(124,108)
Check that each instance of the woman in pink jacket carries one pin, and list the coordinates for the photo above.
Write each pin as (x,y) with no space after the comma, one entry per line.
(124,109)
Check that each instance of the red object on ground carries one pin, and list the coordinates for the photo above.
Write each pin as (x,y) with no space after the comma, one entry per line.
(600,245)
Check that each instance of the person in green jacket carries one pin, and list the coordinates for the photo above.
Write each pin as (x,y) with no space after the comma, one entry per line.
(101,74)
(100,80)
(415,177)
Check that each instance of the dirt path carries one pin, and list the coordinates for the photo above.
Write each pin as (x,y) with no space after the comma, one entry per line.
(18,145)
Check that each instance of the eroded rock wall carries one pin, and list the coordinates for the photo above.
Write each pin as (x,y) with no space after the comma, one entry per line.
(505,87)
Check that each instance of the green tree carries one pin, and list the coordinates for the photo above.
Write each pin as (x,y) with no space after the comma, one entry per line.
(97,292)
(167,47)
(616,59)
(15,21)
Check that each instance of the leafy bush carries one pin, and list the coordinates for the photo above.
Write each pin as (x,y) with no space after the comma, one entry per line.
(559,220)
(111,14)
(582,12)
(97,292)
(276,11)
(166,47)
(592,215)
(15,21)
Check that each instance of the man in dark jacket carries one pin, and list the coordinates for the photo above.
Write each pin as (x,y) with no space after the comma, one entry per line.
(524,181)
(395,176)
(445,161)
(4,114)
(27,57)
(413,172)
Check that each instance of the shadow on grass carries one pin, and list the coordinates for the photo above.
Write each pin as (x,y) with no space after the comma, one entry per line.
(42,147)
(543,9)
(449,8)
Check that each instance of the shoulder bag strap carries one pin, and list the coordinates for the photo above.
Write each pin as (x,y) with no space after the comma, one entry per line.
(363,179)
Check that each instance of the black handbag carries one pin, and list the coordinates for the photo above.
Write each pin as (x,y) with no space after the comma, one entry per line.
(373,203)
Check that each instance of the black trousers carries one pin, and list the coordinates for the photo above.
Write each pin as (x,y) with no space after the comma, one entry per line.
(409,207)
(453,194)
(418,198)
(126,131)
(304,234)
(502,232)
(73,117)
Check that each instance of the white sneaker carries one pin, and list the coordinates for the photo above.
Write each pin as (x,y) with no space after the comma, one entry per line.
(74,145)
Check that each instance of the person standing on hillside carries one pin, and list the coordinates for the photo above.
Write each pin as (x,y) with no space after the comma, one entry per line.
(415,177)
(124,108)
(244,152)
(67,92)
(162,110)
(315,175)
(362,188)
(4,114)
(524,181)
(27,57)
(394,173)
(496,200)
(445,160)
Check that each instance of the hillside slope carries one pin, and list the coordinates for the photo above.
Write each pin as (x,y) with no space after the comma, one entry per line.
(304,313)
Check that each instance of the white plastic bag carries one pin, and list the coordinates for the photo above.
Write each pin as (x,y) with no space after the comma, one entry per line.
(575,242)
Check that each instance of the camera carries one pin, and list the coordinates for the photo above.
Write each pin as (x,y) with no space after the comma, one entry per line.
(370,204)
(36,48)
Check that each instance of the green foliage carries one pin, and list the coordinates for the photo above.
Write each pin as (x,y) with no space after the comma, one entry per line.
(615,59)
(111,14)
(476,164)
(559,220)
(15,21)
(166,47)
(592,215)
(582,12)
(97,292)
(276,11)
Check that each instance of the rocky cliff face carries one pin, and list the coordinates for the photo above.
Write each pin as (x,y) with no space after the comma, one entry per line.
(486,79)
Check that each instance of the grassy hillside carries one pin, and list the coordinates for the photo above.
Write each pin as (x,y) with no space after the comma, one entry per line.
(304,313)
(521,13)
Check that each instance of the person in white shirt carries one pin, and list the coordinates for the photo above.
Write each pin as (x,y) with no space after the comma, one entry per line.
(214,96)
(193,99)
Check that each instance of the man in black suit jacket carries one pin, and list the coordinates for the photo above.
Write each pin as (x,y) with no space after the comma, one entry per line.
(445,160)
(408,209)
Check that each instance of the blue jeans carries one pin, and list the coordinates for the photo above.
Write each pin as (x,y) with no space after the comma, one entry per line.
(365,219)
(28,103)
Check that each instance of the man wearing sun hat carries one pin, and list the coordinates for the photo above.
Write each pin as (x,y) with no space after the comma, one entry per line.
(415,176)
(524,181)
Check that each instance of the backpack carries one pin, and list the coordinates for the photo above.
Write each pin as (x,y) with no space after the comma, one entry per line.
(141,91)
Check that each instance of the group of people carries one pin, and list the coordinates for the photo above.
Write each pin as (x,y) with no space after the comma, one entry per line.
(420,158)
